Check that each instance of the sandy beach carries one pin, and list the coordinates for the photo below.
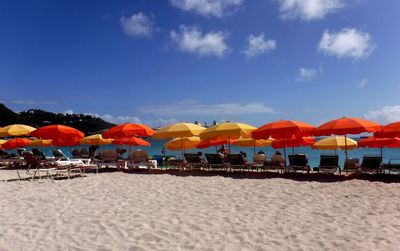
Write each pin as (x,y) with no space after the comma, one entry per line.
(119,211)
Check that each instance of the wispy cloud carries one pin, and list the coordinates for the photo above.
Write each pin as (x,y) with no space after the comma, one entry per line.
(258,45)
(386,115)
(195,108)
(347,43)
(28,102)
(308,9)
(138,25)
(191,39)
(306,74)
(208,8)
(363,83)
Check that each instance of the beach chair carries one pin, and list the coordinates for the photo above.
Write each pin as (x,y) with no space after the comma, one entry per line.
(84,153)
(193,160)
(238,161)
(38,154)
(138,158)
(59,155)
(371,164)
(215,161)
(270,164)
(329,163)
(299,162)
(351,165)
(392,166)
(4,158)
(108,158)
(76,153)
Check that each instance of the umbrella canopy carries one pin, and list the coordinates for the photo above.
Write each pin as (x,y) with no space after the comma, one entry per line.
(16,130)
(250,142)
(128,130)
(283,129)
(335,142)
(178,130)
(391,130)
(345,126)
(214,142)
(15,143)
(131,141)
(40,142)
(2,141)
(96,139)
(375,142)
(228,130)
(293,142)
(59,134)
(183,143)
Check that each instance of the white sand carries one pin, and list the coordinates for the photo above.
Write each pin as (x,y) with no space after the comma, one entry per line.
(117,211)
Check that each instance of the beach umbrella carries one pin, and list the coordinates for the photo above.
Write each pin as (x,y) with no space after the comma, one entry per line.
(178,130)
(59,134)
(96,139)
(283,130)
(374,142)
(228,130)
(130,141)
(16,143)
(344,126)
(128,130)
(293,142)
(16,130)
(391,130)
(2,141)
(40,142)
(184,143)
(334,143)
(250,142)
(214,142)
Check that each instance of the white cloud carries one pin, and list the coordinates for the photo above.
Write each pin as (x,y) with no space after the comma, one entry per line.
(138,25)
(258,45)
(191,39)
(348,42)
(386,115)
(28,102)
(195,108)
(363,83)
(69,112)
(208,8)
(161,122)
(119,119)
(308,9)
(306,74)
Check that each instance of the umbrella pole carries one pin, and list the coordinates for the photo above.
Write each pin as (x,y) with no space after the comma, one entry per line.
(345,144)
(382,152)
(293,149)
(284,151)
(183,151)
(229,143)
(254,153)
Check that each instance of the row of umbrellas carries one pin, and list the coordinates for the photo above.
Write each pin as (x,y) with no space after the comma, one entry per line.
(280,134)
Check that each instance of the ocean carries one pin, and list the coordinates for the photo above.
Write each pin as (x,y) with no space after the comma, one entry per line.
(313,155)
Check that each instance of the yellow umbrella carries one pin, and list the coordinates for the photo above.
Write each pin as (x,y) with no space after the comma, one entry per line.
(250,142)
(178,130)
(335,142)
(228,130)
(95,139)
(184,143)
(16,130)
(40,142)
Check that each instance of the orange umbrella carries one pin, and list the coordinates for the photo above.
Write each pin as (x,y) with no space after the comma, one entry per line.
(15,143)
(293,142)
(389,131)
(59,134)
(128,130)
(214,142)
(131,141)
(344,126)
(374,142)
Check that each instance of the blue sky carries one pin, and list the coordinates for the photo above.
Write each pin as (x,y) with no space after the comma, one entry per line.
(183,60)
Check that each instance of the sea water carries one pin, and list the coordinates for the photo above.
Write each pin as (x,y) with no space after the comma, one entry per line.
(313,155)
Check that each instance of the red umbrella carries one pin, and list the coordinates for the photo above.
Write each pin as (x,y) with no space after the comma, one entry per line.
(374,142)
(293,142)
(15,143)
(214,142)
(59,134)
(132,141)
(128,130)
(389,131)
(344,126)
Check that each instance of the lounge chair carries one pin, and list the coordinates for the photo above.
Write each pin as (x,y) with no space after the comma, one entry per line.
(215,161)
(392,166)
(351,165)
(76,153)
(299,162)
(193,160)
(38,154)
(59,155)
(329,163)
(238,161)
(138,158)
(109,158)
(270,164)
(84,153)
(371,164)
